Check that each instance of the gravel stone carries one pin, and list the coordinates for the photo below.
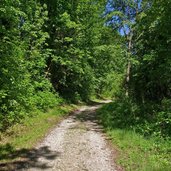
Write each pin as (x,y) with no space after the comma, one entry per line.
(76,144)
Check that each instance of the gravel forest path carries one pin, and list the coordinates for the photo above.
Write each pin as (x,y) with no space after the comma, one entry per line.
(76,144)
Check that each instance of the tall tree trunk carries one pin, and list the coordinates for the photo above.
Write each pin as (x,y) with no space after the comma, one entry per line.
(129,38)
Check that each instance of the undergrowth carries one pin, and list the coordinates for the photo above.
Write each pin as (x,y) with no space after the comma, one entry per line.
(26,135)
(139,132)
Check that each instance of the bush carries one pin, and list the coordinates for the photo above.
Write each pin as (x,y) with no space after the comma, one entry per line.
(148,119)
(45,99)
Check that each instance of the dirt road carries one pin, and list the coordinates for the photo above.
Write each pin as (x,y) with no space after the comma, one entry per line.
(76,144)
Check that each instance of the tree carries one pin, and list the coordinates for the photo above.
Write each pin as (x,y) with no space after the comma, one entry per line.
(151,79)
(122,16)
(23,60)
(75,33)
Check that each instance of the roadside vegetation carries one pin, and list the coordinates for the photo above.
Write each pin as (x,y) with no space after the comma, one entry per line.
(143,143)
(139,119)
(52,51)
(25,136)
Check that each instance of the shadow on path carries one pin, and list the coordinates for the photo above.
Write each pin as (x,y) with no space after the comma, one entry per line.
(95,103)
(12,159)
(89,116)
(24,158)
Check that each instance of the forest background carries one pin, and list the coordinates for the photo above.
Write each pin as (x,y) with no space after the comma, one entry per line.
(55,51)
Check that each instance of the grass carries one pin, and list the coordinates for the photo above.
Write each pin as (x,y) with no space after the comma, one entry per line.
(136,152)
(33,129)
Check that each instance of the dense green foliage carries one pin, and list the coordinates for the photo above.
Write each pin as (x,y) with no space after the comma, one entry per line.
(79,42)
(55,47)
(23,85)
(137,150)
(139,119)
(146,28)
(54,50)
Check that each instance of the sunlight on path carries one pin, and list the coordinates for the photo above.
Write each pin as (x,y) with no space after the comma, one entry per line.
(79,144)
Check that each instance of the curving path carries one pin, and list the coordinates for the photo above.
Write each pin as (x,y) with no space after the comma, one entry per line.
(76,144)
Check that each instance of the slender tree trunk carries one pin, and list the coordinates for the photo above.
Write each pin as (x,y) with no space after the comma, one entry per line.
(129,62)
